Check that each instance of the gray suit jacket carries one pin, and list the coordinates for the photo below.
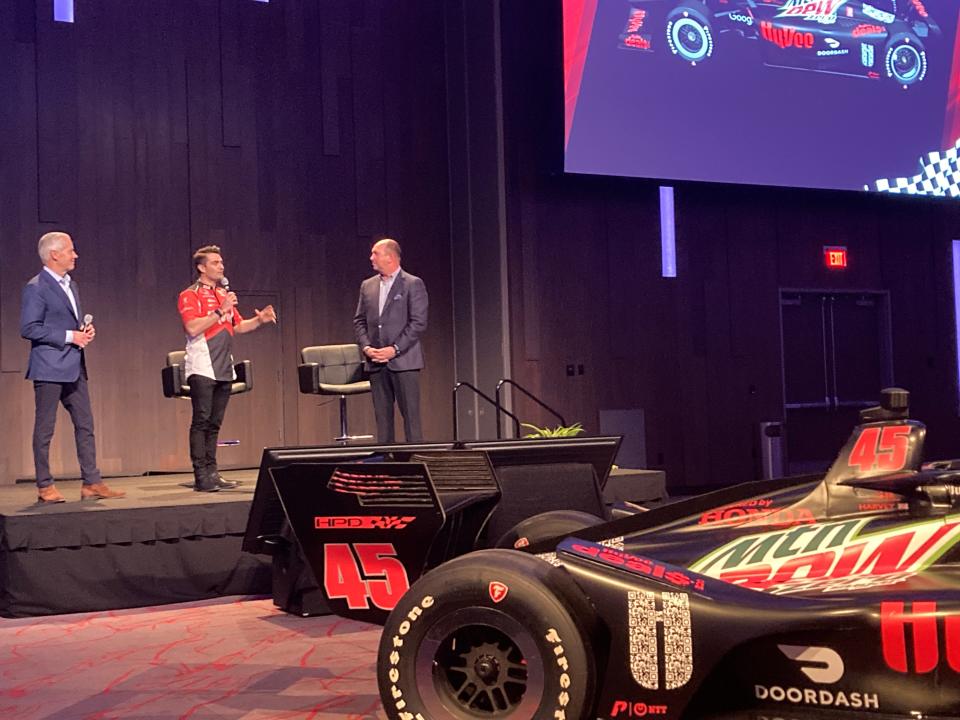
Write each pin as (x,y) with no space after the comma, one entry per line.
(404,318)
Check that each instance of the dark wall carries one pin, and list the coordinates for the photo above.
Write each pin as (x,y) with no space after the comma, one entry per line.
(700,354)
(290,132)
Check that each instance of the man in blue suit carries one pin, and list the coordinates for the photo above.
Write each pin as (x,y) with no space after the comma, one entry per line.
(51,319)
(391,315)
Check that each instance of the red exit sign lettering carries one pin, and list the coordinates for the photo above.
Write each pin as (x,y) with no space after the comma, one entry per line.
(835,256)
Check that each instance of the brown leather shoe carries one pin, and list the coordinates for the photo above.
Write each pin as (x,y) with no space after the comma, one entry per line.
(49,494)
(99,491)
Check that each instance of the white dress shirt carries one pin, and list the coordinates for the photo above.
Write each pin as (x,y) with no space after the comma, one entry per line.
(64,283)
(385,284)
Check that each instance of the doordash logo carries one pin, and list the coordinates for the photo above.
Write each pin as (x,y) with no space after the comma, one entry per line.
(821,664)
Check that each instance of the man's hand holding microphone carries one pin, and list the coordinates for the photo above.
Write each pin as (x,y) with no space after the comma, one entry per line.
(84,336)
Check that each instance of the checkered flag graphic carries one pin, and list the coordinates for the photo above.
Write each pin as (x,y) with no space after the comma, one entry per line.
(939,175)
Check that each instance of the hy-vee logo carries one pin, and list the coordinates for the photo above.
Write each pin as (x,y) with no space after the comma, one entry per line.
(830,556)
(821,11)
(924,621)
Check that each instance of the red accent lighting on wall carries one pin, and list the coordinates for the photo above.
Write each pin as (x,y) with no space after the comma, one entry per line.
(835,257)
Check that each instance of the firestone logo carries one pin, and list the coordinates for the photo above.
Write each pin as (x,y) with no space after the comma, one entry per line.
(830,556)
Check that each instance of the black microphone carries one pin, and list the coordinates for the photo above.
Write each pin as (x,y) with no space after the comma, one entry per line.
(87,319)
(225,283)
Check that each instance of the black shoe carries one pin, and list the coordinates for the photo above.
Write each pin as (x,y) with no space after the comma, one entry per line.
(204,482)
(225,484)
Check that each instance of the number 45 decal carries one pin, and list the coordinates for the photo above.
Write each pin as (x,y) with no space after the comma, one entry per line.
(881,448)
(361,572)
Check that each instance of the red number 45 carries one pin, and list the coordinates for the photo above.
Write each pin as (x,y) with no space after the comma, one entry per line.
(881,449)
(363,572)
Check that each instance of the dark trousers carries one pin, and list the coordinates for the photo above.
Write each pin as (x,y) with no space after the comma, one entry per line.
(76,399)
(209,399)
(403,388)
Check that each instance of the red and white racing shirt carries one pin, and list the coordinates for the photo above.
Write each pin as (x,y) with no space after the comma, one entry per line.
(209,354)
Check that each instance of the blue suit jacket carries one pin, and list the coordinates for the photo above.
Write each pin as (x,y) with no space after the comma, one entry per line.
(404,318)
(45,316)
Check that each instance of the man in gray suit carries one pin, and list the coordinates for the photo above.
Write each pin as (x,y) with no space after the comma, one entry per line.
(391,315)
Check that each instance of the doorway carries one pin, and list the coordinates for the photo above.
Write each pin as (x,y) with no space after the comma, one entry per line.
(836,356)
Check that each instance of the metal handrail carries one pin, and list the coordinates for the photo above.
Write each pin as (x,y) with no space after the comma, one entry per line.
(496,406)
(521,388)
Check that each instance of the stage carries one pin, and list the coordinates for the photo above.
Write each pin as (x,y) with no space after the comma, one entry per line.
(162,543)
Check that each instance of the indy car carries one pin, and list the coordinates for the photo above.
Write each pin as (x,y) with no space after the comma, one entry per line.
(876,39)
(837,593)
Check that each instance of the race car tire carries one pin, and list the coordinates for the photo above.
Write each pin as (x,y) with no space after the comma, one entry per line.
(494,633)
(546,525)
(690,33)
(905,60)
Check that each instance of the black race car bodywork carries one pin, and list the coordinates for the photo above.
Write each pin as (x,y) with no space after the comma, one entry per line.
(836,593)
(877,39)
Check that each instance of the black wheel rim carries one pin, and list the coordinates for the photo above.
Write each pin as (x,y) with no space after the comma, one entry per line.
(689,38)
(480,663)
(906,63)
(482,670)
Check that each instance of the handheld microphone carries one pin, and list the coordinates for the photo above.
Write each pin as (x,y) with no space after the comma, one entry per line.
(225,283)
(87,319)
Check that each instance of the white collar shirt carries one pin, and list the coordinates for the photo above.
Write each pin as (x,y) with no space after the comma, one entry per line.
(385,284)
(64,283)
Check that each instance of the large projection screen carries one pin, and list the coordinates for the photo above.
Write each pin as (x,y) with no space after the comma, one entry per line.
(836,94)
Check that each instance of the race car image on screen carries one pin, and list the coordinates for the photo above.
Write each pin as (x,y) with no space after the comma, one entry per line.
(877,39)
(836,593)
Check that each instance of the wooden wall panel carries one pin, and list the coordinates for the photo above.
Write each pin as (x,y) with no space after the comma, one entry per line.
(170,125)
(57,131)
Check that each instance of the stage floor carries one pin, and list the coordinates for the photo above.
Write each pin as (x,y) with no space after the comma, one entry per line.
(142,491)
(161,543)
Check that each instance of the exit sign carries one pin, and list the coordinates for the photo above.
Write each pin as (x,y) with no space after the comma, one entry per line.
(835,256)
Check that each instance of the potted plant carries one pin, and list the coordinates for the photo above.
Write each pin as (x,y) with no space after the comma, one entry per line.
(547,432)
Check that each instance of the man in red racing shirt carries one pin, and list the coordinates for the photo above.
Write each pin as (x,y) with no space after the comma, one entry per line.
(210,318)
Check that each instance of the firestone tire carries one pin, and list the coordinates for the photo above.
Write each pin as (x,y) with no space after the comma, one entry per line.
(690,33)
(491,634)
(546,525)
(905,60)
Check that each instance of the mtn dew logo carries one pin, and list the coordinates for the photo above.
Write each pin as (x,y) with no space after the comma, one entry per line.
(828,557)
(821,11)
